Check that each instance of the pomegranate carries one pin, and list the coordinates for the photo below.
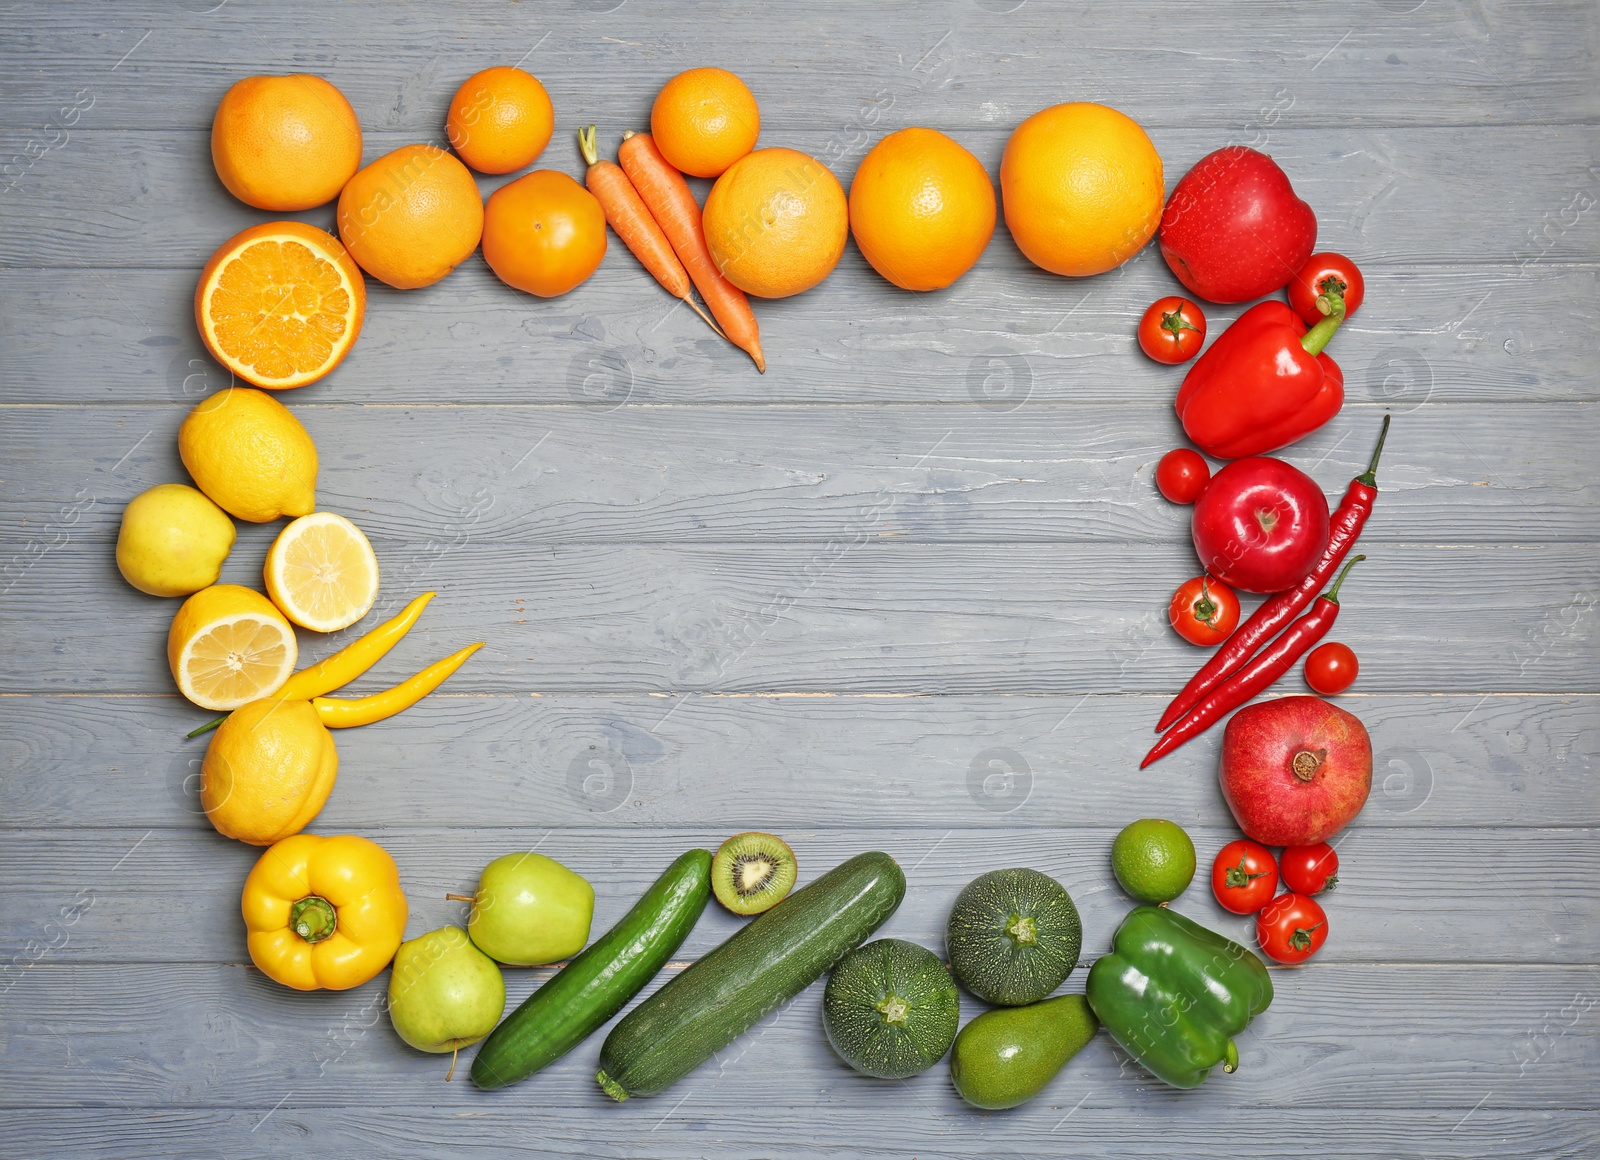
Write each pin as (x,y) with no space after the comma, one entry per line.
(1295,770)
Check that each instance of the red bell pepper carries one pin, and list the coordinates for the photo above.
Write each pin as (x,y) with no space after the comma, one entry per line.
(1263,384)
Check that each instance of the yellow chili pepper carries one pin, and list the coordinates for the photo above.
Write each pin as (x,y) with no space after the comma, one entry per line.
(343,666)
(354,659)
(342,713)
(323,912)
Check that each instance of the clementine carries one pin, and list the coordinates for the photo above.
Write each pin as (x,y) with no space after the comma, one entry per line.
(704,120)
(500,120)
(411,216)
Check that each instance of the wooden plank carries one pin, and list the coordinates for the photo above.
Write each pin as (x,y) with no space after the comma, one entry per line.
(850,1122)
(862,613)
(996,341)
(1245,70)
(1359,1037)
(1389,196)
(1041,474)
(1405,895)
(640,762)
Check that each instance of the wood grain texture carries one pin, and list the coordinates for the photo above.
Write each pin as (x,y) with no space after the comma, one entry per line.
(1046,474)
(845,1124)
(853,614)
(1426,335)
(904,591)
(1491,896)
(669,760)
(1344,1036)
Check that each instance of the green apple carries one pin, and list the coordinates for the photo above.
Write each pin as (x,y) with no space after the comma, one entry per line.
(444,993)
(530,910)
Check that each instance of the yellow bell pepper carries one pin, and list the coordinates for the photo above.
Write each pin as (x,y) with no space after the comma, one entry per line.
(342,713)
(323,912)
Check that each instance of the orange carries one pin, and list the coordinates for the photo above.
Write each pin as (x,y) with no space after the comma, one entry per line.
(704,120)
(285,143)
(543,233)
(921,209)
(411,216)
(500,119)
(280,304)
(1082,188)
(776,223)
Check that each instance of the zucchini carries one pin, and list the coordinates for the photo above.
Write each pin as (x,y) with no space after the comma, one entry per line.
(766,963)
(1013,936)
(891,1009)
(598,983)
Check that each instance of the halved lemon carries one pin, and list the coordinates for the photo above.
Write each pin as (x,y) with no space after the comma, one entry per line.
(229,646)
(280,304)
(322,573)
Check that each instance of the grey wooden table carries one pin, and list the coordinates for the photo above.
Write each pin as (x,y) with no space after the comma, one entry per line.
(905,591)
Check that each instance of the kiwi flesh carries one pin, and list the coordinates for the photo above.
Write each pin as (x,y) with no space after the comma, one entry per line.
(752,872)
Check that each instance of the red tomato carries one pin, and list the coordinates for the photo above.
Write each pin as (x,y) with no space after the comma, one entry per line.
(1244,877)
(1310,869)
(1182,475)
(1204,611)
(1331,668)
(1292,928)
(1172,330)
(1313,280)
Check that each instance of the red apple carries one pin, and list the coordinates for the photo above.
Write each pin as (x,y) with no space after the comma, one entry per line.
(1260,525)
(1233,230)
(1295,770)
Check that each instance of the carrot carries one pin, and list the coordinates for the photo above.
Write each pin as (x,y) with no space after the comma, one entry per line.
(670,200)
(631,222)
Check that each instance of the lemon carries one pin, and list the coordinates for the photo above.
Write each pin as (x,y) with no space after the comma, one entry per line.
(173,541)
(250,455)
(228,645)
(268,771)
(322,573)
(1153,859)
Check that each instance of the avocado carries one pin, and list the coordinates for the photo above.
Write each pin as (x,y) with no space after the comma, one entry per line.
(1005,1057)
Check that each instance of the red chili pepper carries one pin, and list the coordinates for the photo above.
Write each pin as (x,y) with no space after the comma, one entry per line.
(1296,640)
(1264,384)
(1343,530)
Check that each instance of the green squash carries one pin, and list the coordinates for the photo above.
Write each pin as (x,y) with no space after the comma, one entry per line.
(891,1009)
(1013,936)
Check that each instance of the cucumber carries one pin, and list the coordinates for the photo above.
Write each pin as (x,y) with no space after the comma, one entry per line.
(891,1009)
(599,982)
(1013,936)
(721,996)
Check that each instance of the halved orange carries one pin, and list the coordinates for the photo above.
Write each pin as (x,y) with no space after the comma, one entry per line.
(280,304)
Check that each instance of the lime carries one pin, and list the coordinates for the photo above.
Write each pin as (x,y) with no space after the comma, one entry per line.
(1153,859)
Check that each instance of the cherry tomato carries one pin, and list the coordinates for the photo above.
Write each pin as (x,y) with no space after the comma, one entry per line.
(1313,279)
(1182,475)
(1172,330)
(1292,928)
(1331,668)
(1310,869)
(1244,877)
(1204,611)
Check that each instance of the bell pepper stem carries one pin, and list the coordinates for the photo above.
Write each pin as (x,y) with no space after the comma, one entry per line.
(1230,1058)
(313,918)
(206,728)
(1370,475)
(1317,337)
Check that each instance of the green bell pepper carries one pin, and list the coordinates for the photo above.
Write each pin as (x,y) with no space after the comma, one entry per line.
(1174,994)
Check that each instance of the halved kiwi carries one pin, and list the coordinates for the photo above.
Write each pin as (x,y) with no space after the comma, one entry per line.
(752,872)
